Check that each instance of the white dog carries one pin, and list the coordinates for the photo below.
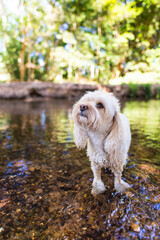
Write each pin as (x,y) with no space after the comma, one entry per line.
(99,124)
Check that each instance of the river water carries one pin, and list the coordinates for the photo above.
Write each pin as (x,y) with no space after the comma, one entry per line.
(45,182)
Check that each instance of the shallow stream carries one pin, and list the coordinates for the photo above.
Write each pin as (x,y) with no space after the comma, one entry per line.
(45,182)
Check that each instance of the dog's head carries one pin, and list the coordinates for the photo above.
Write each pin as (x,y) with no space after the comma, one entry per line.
(95,111)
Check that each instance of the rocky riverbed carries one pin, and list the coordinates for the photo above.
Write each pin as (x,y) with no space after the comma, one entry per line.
(45,181)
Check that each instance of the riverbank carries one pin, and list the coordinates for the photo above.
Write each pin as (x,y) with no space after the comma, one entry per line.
(25,90)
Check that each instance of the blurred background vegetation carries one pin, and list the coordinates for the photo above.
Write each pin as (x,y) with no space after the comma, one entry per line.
(105,41)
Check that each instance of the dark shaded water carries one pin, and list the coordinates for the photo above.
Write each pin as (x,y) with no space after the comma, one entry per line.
(45,182)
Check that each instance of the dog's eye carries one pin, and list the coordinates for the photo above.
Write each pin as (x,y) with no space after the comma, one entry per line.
(100,105)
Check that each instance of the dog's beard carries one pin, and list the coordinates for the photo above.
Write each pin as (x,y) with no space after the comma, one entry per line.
(89,120)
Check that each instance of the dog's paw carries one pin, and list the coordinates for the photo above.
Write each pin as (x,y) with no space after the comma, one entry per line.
(122,186)
(97,187)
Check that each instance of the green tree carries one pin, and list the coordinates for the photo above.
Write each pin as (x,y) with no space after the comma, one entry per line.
(90,39)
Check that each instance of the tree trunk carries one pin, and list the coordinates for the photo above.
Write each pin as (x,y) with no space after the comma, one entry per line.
(92,71)
(21,62)
(29,69)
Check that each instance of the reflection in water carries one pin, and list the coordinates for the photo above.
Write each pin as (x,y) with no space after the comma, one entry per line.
(45,181)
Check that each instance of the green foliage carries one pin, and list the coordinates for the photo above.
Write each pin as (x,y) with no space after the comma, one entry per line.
(148,92)
(9,57)
(157,93)
(133,88)
(74,40)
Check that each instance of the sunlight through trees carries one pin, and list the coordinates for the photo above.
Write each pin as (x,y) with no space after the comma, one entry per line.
(79,40)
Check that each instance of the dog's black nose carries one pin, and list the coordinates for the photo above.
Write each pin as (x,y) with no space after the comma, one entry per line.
(83,107)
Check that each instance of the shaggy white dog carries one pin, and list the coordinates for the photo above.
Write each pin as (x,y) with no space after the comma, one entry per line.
(99,124)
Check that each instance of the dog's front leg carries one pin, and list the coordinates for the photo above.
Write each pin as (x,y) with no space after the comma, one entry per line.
(97,185)
(119,184)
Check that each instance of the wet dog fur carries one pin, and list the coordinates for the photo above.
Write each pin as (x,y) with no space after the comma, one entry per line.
(99,124)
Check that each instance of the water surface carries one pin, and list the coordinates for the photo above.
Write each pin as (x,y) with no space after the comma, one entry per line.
(45,182)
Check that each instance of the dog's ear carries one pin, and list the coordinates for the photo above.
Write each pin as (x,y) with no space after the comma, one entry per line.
(80,137)
(114,141)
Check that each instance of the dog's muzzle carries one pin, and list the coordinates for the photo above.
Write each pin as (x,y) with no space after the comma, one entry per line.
(83,109)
